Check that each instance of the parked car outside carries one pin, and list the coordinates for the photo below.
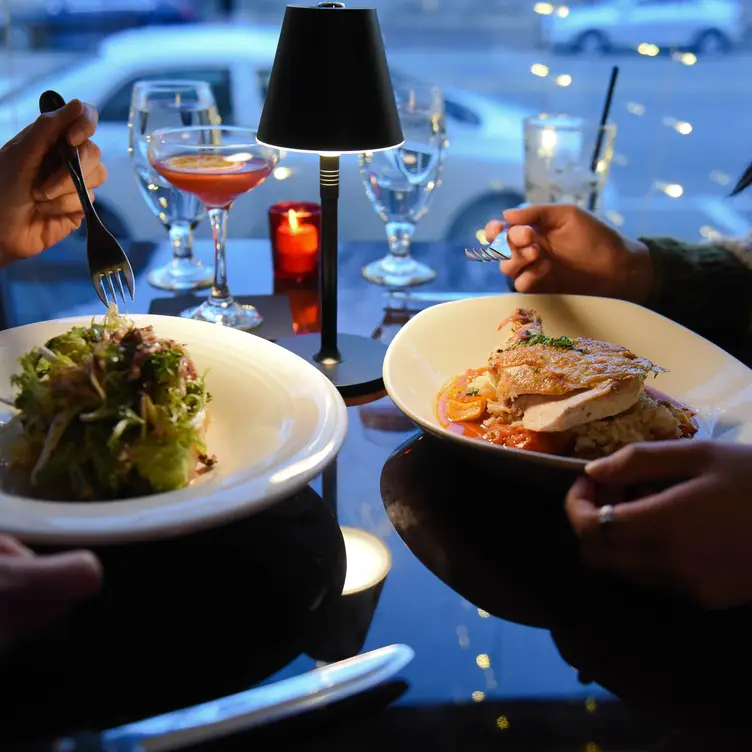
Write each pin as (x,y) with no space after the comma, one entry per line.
(702,26)
(483,168)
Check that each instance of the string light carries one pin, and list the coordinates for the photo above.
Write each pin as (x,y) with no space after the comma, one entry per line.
(722,178)
(538,69)
(651,50)
(544,9)
(674,190)
(564,79)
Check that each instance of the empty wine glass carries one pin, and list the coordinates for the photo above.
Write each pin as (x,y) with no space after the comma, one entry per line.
(400,183)
(216,164)
(170,104)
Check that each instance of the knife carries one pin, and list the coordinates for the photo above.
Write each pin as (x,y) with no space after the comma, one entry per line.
(246,710)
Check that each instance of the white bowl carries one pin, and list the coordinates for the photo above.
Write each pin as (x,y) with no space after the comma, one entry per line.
(442,342)
(276,422)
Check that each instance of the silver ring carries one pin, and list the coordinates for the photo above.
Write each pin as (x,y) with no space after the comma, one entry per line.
(606,515)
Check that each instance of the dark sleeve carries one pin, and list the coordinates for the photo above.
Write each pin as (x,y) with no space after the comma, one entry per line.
(705,288)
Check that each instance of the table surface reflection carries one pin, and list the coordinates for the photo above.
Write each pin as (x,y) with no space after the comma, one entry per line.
(515,644)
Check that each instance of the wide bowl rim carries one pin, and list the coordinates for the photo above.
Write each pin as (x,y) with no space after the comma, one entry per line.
(247,491)
(540,458)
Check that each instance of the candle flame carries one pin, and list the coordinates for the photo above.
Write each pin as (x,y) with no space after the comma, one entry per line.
(292,218)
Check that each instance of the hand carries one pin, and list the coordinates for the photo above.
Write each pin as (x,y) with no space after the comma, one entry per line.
(38,203)
(35,590)
(558,248)
(693,536)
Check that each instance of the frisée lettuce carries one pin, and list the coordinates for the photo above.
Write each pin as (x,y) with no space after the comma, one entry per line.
(108,411)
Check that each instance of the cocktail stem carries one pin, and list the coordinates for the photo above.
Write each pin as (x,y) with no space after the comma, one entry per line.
(329,353)
(399,235)
(181,238)
(220,292)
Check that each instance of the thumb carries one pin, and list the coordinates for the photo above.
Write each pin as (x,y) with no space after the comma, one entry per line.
(66,577)
(542,215)
(42,135)
(654,461)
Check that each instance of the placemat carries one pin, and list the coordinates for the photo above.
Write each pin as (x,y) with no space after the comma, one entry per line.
(275,309)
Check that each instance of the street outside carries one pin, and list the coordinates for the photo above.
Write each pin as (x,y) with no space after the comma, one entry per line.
(679,124)
(655,99)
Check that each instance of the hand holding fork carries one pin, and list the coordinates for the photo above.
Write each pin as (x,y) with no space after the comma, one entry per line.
(106,258)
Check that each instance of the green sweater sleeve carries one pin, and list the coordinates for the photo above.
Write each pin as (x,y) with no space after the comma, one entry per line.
(705,288)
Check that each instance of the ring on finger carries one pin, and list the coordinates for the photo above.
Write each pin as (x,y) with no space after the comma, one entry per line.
(606,517)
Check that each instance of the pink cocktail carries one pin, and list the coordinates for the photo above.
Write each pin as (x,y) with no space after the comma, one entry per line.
(216,164)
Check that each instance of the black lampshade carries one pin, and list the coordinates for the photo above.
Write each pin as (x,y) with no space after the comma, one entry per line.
(330,89)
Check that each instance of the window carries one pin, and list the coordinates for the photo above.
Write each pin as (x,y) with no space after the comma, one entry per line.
(460,114)
(117,107)
(263,78)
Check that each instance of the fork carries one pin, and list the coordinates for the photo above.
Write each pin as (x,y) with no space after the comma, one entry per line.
(489,253)
(105,257)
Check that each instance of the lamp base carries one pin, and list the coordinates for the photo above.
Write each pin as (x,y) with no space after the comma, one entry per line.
(358,374)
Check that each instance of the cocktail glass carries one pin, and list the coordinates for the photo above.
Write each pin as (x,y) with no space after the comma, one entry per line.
(216,164)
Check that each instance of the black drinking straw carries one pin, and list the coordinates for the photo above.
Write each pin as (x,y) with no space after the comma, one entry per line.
(601,130)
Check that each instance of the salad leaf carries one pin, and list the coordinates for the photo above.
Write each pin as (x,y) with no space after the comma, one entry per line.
(109,411)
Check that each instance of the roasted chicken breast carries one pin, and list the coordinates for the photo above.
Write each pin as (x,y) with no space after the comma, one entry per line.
(557,382)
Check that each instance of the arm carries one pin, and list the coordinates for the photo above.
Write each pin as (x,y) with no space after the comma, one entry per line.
(706,288)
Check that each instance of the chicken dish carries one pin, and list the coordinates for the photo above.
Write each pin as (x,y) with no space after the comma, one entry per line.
(573,397)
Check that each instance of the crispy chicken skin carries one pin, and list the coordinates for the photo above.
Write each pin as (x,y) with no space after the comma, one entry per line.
(532,363)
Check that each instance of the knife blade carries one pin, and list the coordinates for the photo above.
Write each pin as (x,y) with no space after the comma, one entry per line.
(249,709)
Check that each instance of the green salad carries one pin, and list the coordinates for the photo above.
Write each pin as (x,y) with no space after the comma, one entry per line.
(107,412)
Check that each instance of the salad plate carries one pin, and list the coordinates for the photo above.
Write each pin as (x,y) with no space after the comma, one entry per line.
(522,424)
(274,423)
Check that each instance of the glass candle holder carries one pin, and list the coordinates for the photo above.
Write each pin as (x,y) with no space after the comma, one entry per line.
(295,232)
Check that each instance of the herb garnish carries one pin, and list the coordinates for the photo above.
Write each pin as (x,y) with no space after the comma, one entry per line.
(472,392)
(563,342)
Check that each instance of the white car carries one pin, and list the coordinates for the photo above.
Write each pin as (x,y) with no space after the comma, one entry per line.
(483,169)
(703,26)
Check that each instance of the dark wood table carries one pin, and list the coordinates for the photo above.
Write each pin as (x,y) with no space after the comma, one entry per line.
(517,646)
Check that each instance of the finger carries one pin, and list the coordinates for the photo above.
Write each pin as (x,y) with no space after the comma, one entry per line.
(60,182)
(534,277)
(13,547)
(521,236)
(521,258)
(651,461)
(83,128)
(62,206)
(540,215)
(45,132)
(493,228)
(67,577)
(582,506)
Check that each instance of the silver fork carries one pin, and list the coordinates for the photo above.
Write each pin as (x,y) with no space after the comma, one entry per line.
(489,253)
(107,261)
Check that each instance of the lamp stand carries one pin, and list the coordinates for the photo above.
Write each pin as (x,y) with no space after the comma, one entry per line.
(351,362)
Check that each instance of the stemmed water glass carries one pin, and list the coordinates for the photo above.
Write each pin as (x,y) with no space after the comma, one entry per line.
(170,104)
(401,182)
(216,164)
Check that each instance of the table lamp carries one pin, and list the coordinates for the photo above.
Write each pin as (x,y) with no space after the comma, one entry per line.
(330,93)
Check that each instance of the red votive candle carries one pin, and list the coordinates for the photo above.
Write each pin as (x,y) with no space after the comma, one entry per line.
(295,231)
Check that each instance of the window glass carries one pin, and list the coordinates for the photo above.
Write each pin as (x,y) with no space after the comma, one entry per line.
(116,108)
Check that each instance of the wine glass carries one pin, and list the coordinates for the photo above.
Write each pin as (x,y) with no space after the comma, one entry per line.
(401,182)
(216,164)
(163,104)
